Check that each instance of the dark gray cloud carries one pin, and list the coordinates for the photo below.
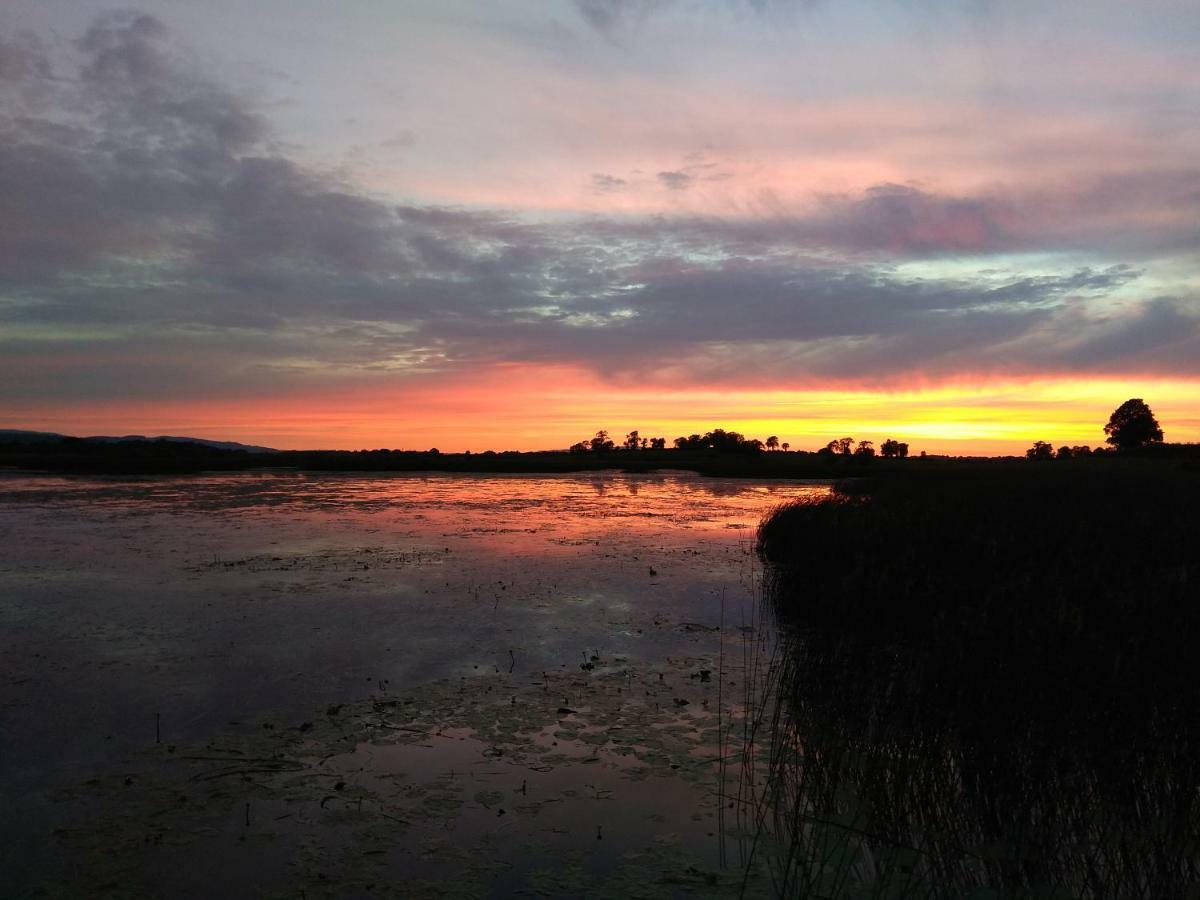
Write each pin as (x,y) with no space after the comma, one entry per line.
(1140,215)
(675,180)
(606,184)
(154,241)
(905,219)
(1152,335)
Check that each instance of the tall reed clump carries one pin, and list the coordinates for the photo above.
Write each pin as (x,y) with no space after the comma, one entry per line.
(986,687)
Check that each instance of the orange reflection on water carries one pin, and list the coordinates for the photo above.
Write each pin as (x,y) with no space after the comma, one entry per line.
(521,513)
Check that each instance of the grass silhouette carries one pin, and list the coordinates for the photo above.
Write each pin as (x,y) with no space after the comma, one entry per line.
(984,686)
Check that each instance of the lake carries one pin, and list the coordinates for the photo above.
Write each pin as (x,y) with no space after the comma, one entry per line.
(276,684)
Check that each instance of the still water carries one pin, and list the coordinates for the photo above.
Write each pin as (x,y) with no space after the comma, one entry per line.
(149,612)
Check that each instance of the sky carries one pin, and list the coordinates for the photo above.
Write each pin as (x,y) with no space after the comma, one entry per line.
(966,225)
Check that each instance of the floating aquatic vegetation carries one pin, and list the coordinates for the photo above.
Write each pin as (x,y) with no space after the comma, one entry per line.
(339,559)
(276,598)
(592,784)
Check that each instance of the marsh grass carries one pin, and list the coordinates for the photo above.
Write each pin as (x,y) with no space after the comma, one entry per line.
(985,687)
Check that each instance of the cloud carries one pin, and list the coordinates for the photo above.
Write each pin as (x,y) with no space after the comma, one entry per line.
(675,180)
(155,241)
(1156,332)
(607,15)
(23,60)
(605,184)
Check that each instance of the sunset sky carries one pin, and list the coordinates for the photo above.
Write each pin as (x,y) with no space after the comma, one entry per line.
(966,225)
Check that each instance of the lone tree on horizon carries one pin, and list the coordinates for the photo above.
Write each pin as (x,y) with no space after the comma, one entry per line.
(1132,425)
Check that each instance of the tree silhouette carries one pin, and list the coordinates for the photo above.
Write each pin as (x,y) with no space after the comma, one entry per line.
(865,449)
(786,446)
(772,443)
(720,440)
(841,446)
(632,440)
(1040,450)
(891,448)
(601,442)
(1132,425)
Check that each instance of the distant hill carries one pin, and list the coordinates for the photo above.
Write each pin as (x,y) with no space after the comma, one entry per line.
(10,436)
(14,436)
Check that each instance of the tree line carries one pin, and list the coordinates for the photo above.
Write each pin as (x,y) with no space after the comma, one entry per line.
(722,441)
(1132,426)
(890,449)
(718,439)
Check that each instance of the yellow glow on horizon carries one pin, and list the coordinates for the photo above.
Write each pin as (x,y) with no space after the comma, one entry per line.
(535,408)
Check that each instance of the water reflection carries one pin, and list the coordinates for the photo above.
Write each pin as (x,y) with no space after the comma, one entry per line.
(561,507)
(231,598)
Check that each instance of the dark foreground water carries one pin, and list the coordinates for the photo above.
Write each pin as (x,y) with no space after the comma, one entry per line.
(282,685)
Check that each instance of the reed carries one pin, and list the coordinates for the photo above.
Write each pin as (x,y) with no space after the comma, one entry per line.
(984,687)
